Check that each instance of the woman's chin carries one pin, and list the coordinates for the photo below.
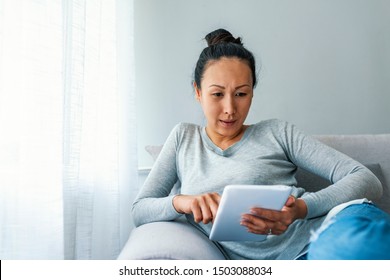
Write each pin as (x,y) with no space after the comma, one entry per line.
(230,129)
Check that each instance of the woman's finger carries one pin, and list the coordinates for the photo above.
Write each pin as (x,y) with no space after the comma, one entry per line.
(255,224)
(204,207)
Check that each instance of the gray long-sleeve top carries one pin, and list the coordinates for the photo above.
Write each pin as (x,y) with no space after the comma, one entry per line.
(268,154)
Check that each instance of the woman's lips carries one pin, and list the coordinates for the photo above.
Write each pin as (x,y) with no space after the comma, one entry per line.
(227,123)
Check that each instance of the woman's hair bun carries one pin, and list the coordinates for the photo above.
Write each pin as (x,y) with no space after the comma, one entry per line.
(221,36)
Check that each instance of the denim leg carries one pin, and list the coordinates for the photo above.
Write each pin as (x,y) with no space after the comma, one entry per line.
(358,232)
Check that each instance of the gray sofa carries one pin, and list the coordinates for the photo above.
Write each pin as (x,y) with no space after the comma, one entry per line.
(179,240)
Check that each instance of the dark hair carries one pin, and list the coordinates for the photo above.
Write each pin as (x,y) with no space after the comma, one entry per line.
(221,43)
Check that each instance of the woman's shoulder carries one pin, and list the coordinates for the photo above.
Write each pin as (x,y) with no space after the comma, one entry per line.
(184,130)
(181,133)
(186,127)
(275,128)
(271,124)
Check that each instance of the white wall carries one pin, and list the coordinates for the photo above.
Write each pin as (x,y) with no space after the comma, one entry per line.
(325,64)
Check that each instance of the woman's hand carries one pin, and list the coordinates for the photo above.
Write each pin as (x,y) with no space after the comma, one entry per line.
(203,207)
(263,221)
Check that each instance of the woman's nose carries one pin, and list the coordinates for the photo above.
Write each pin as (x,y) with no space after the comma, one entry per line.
(229,105)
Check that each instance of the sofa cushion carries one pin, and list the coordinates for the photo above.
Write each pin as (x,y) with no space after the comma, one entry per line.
(154,150)
(169,240)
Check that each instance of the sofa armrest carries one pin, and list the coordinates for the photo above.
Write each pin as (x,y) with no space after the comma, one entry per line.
(169,240)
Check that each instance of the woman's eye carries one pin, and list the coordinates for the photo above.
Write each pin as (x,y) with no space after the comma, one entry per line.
(218,94)
(241,94)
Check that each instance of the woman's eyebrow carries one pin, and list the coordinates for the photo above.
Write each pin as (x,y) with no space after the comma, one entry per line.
(214,85)
(244,85)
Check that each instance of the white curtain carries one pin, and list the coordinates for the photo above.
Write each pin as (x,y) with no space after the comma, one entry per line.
(67,143)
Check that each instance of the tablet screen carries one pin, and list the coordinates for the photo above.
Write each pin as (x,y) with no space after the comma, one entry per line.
(239,199)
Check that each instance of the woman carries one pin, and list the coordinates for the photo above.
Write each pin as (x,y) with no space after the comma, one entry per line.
(227,151)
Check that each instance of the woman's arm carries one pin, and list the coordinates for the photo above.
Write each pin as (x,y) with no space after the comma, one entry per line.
(154,202)
(349,179)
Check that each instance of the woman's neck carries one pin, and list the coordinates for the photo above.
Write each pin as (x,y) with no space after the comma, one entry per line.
(224,142)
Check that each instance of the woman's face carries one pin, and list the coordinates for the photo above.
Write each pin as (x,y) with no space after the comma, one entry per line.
(226,96)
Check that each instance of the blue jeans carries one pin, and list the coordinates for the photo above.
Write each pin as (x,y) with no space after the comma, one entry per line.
(358,232)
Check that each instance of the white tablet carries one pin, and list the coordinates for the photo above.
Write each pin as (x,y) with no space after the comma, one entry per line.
(239,199)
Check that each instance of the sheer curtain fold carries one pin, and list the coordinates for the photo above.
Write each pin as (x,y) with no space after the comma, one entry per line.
(31,223)
(66,173)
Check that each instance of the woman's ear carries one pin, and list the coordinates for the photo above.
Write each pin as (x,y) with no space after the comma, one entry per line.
(198,92)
